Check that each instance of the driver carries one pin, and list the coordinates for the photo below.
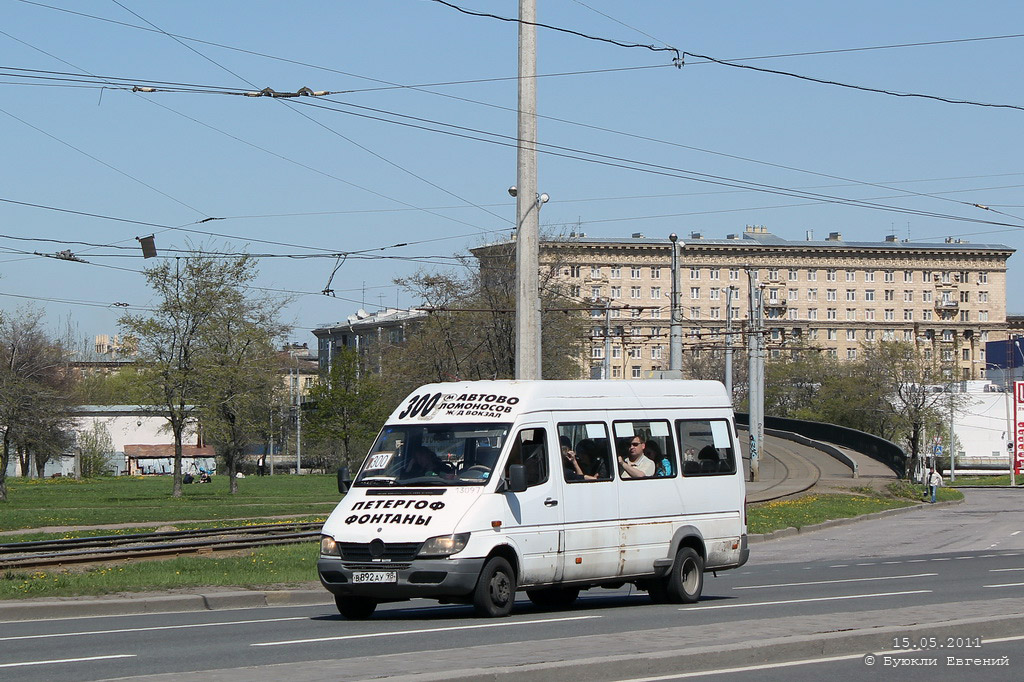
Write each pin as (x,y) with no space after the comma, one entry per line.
(423,462)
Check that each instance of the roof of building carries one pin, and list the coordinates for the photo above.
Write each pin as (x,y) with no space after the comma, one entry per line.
(365,320)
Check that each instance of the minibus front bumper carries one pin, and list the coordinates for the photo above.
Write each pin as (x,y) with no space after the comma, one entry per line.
(419,578)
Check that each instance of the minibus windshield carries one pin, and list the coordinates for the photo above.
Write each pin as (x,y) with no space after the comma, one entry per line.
(435,454)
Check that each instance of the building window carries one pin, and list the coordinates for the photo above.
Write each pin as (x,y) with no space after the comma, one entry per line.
(869,294)
(908,334)
(812,294)
(734,273)
(656,352)
(634,352)
(655,292)
(982,316)
(635,312)
(616,292)
(869,275)
(616,352)
(574,270)
(947,335)
(965,316)
(615,272)
(793,295)
(812,275)
(595,272)
(982,297)
(595,292)
(597,352)
(926,296)
(890,314)
(635,371)
(715,293)
(851,275)
(832,334)
(716,313)
(812,313)
(908,276)
(694,313)
(888,334)
(616,372)
(889,276)
(851,353)
(851,294)
(694,273)
(714,273)
(965,353)
(869,335)
(947,356)
(575,291)
(830,275)
(851,313)
(965,297)
(695,293)
(655,272)
(890,294)
(634,272)
(793,314)
(634,292)
(926,315)
(982,278)
(908,296)
(831,294)
(869,314)
(793,275)
(851,334)
(812,334)
(928,356)
(908,315)
(831,314)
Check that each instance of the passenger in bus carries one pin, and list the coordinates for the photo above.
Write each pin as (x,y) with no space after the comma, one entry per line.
(708,457)
(662,464)
(573,471)
(635,464)
(592,460)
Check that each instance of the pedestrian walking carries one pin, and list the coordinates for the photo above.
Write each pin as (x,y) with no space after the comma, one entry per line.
(934,481)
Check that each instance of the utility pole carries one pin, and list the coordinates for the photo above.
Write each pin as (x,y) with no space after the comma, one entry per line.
(755,344)
(528,356)
(675,339)
(606,366)
(728,341)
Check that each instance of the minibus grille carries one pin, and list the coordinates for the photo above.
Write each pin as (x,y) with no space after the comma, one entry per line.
(391,552)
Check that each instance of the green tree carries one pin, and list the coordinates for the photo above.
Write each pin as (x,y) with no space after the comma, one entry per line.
(172,340)
(125,386)
(96,449)
(35,390)
(347,408)
(239,373)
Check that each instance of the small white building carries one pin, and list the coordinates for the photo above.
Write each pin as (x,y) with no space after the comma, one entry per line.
(980,425)
(141,442)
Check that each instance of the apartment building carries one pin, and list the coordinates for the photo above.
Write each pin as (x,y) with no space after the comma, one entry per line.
(947,298)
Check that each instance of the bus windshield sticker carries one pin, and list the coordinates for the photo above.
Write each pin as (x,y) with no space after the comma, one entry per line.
(378,461)
(623,429)
(720,434)
(595,431)
(659,428)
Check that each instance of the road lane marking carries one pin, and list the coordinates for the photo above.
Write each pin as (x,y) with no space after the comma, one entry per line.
(1016,532)
(801,601)
(841,580)
(1006,585)
(396,633)
(66,660)
(999,570)
(788,664)
(153,628)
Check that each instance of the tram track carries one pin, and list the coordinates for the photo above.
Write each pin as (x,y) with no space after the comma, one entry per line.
(159,544)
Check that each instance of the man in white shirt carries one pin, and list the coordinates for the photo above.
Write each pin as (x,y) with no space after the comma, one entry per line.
(635,464)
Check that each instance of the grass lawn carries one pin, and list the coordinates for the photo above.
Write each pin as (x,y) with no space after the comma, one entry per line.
(33,504)
(66,502)
(994,481)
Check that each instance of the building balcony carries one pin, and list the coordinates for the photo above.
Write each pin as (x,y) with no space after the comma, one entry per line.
(947,305)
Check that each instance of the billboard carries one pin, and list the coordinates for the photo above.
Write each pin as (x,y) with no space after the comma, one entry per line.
(1018,426)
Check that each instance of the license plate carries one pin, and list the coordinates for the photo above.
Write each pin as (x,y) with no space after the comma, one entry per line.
(375,577)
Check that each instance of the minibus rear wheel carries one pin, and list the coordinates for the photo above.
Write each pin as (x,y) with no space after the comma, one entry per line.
(686,580)
(355,608)
(495,591)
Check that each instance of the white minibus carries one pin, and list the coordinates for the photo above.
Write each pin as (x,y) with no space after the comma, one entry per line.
(475,490)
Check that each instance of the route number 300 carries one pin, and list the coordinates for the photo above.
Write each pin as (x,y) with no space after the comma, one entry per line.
(420,405)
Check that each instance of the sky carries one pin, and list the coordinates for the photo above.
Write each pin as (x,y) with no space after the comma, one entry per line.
(413,145)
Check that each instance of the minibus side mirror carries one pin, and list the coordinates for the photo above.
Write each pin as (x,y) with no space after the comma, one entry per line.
(344,482)
(516,482)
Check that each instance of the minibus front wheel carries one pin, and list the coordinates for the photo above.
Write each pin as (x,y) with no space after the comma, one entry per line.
(495,591)
(355,608)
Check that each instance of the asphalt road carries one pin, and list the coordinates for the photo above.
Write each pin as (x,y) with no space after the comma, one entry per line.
(943,572)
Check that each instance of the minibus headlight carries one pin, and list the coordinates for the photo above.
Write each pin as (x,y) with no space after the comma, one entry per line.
(328,546)
(444,545)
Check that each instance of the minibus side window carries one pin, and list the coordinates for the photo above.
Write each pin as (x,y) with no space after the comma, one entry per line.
(585,451)
(707,447)
(529,448)
(655,438)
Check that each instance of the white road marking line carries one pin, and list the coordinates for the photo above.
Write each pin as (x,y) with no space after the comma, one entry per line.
(843,580)
(789,664)
(1016,532)
(801,601)
(1000,570)
(65,660)
(397,633)
(943,559)
(151,628)
(916,561)
(1006,585)
(839,566)
(867,564)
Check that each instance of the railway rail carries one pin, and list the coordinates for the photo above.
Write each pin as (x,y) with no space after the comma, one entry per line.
(110,548)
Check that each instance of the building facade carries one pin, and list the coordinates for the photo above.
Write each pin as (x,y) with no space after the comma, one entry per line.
(365,333)
(947,298)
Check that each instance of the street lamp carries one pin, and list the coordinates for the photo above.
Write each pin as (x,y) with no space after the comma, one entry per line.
(1010,418)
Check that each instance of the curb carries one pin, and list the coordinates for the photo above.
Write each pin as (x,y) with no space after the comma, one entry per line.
(14,610)
(831,523)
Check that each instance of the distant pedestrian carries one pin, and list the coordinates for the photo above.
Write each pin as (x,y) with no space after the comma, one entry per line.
(261,466)
(934,481)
